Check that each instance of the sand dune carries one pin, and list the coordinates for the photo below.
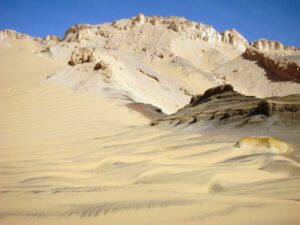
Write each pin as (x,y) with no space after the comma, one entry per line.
(66,159)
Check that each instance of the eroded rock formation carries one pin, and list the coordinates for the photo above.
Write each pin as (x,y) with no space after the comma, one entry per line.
(282,67)
(82,55)
(224,104)
(235,39)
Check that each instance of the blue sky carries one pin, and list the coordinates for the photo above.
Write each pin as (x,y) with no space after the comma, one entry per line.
(271,19)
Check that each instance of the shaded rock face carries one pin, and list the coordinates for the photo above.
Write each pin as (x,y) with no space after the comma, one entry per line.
(224,104)
(284,69)
(102,66)
(12,34)
(82,55)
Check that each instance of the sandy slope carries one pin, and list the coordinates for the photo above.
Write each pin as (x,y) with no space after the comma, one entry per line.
(73,159)
(70,157)
(21,68)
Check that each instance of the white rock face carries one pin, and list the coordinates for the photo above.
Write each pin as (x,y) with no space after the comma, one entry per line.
(137,27)
(183,27)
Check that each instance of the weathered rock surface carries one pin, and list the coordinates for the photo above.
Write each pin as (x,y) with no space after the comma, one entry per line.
(82,55)
(266,45)
(282,67)
(235,39)
(73,33)
(224,104)
(102,66)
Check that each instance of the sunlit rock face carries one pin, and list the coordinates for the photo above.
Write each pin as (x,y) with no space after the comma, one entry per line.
(235,39)
(12,34)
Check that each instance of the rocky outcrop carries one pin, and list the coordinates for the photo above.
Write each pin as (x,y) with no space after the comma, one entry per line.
(102,66)
(139,19)
(284,69)
(267,45)
(224,104)
(85,32)
(235,39)
(82,55)
(105,70)
(75,31)
(52,39)
(182,26)
(12,34)
(197,99)
(191,29)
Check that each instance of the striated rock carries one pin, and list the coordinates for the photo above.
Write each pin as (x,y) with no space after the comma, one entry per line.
(12,34)
(235,39)
(197,99)
(284,69)
(224,104)
(82,55)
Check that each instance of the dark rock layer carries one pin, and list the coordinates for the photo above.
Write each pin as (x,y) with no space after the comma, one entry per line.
(224,104)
